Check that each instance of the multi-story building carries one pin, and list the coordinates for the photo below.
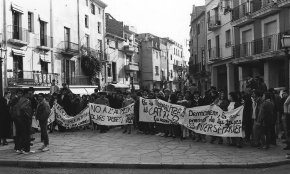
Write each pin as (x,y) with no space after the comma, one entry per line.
(219,42)
(44,40)
(161,58)
(259,26)
(122,54)
(199,73)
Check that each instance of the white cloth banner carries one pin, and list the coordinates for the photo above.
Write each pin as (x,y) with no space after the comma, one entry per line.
(67,121)
(212,120)
(208,120)
(105,115)
(155,110)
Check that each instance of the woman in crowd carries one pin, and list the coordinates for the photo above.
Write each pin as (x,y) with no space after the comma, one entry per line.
(234,103)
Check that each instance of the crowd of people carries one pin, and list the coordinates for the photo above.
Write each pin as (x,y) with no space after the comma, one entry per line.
(266,113)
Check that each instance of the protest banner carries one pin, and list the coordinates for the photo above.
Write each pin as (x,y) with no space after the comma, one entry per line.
(51,117)
(67,121)
(212,120)
(105,115)
(155,110)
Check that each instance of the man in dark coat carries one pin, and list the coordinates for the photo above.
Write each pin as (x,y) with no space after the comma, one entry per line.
(42,114)
(5,118)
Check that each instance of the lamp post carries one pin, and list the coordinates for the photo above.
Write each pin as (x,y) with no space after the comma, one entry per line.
(285,41)
(2,56)
(179,72)
(132,81)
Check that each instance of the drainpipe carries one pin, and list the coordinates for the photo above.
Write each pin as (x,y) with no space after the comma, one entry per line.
(5,43)
(52,38)
(79,42)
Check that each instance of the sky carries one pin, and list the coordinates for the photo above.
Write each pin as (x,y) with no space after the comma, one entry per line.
(164,18)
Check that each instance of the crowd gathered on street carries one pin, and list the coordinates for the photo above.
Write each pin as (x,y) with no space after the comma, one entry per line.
(266,115)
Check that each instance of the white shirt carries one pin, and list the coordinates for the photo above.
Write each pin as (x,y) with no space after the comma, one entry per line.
(231,106)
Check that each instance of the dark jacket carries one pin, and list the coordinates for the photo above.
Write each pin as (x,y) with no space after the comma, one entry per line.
(42,111)
(266,113)
(5,118)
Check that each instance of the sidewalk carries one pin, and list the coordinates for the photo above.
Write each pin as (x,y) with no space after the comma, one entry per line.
(116,150)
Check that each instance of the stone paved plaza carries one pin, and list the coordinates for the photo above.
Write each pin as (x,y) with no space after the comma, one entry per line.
(89,146)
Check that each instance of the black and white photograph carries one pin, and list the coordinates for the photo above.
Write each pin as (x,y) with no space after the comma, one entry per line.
(144,86)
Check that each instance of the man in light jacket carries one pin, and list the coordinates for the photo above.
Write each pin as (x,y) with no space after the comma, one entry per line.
(42,114)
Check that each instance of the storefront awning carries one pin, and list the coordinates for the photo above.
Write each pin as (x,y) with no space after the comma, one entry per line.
(80,91)
(17,8)
(120,85)
(16,52)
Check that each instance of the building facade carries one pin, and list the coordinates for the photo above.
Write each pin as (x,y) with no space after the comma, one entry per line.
(259,27)
(122,54)
(198,63)
(219,45)
(44,41)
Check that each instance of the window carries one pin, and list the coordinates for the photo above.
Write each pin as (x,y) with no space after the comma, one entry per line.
(87,40)
(197,29)
(99,27)
(156,55)
(87,2)
(99,10)
(43,33)
(108,41)
(171,73)
(156,70)
(100,45)
(171,57)
(228,38)
(30,22)
(109,68)
(87,21)
(93,11)
(67,37)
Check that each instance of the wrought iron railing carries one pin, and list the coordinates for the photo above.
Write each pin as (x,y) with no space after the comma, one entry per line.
(242,10)
(214,21)
(214,53)
(18,33)
(258,46)
(30,78)
(44,40)
(67,46)
(260,4)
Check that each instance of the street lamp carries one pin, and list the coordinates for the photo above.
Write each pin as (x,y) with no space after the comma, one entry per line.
(2,56)
(285,41)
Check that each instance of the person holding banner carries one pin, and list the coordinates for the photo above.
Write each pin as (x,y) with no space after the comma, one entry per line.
(42,114)
(102,100)
(128,101)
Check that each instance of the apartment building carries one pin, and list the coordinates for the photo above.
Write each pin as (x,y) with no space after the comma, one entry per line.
(122,54)
(219,45)
(259,26)
(198,63)
(44,40)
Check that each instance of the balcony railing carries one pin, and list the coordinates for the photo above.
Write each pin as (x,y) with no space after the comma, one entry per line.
(214,23)
(30,78)
(67,47)
(214,53)
(258,46)
(283,3)
(241,11)
(132,67)
(79,80)
(43,41)
(17,35)
(259,4)
(129,49)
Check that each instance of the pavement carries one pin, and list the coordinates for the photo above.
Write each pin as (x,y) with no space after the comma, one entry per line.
(87,148)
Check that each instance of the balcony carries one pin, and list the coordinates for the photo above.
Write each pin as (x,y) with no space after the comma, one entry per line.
(265,47)
(129,50)
(283,3)
(214,23)
(68,48)
(214,53)
(132,67)
(17,36)
(79,80)
(34,78)
(241,15)
(44,42)
(263,8)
